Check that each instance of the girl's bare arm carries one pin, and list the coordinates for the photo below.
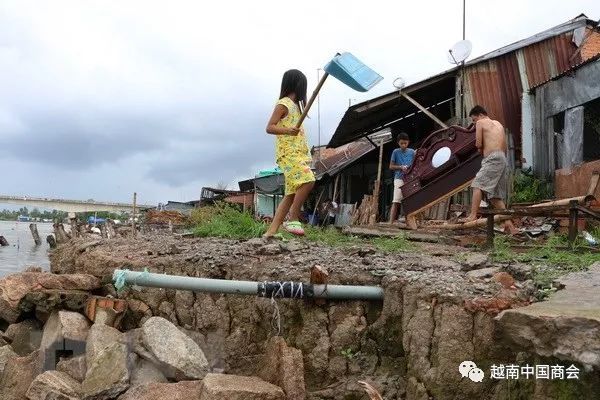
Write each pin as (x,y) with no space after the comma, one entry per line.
(279,112)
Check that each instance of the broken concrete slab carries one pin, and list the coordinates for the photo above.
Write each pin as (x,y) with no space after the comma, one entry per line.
(179,356)
(233,387)
(65,330)
(283,366)
(187,390)
(13,288)
(108,375)
(54,385)
(566,326)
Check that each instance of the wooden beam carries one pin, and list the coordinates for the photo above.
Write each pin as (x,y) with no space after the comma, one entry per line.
(423,109)
(440,199)
(593,183)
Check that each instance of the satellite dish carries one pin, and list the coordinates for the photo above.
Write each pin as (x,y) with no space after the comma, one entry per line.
(399,83)
(460,52)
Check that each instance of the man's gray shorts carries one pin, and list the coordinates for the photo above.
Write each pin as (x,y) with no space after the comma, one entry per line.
(492,178)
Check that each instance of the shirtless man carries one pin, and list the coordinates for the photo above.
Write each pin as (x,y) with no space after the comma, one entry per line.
(492,178)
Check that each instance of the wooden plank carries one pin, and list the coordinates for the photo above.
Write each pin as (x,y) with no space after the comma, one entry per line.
(474,224)
(439,199)
(593,183)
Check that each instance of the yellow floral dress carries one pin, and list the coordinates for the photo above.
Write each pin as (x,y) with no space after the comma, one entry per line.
(291,152)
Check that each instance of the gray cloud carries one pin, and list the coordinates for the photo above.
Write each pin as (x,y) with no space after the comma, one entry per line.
(163,100)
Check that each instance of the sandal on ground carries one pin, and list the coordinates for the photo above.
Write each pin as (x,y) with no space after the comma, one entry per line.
(294,227)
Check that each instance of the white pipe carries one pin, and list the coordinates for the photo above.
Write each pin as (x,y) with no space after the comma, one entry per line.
(263,289)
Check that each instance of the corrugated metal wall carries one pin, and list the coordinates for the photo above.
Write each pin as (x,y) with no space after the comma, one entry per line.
(497,85)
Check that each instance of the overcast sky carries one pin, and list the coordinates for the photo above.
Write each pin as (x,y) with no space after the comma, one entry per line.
(99,99)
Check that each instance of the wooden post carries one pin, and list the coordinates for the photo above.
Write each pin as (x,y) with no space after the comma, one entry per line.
(103,231)
(111,232)
(51,241)
(335,188)
(35,234)
(490,230)
(3,241)
(378,182)
(316,207)
(74,228)
(60,234)
(573,213)
(376,189)
(133,215)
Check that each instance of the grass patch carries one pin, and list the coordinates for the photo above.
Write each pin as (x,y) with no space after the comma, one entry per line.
(329,236)
(393,245)
(335,238)
(550,261)
(225,221)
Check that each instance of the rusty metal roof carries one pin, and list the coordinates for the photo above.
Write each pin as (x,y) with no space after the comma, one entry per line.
(334,160)
(578,22)
(331,160)
(374,115)
(494,80)
(567,71)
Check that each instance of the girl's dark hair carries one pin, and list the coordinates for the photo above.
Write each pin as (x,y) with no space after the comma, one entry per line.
(294,81)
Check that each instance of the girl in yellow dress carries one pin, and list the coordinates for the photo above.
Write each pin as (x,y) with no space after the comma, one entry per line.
(291,152)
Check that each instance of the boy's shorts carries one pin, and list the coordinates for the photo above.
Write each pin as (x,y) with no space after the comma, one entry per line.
(398,191)
(296,172)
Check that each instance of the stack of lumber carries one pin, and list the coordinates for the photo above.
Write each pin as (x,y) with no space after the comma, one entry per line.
(366,213)
(164,217)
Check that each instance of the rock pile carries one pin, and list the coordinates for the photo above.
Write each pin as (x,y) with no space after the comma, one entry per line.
(68,357)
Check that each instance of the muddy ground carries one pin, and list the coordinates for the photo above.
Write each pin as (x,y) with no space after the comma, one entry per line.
(439,309)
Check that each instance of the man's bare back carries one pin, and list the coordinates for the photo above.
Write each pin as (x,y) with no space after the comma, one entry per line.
(490,136)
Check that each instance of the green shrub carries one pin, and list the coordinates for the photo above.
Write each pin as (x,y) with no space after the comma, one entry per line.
(529,189)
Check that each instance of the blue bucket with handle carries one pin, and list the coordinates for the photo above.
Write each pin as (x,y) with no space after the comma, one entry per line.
(352,72)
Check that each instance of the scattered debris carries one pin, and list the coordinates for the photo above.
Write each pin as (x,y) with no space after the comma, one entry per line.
(483,273)
(592,241)
(505,279)
(156,217)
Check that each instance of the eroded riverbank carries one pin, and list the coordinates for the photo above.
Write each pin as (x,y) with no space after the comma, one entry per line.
(437,312)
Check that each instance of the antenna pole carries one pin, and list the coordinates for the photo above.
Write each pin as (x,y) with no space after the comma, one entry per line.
(462,69)
(464,17)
